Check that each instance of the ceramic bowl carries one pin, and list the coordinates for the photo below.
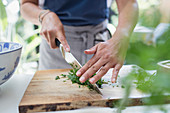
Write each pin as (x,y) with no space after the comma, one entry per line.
(10,53)
(164,67)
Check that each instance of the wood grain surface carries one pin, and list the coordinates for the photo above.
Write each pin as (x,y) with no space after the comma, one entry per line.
(44,93)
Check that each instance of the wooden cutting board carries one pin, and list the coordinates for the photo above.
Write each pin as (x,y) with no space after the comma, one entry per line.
(44,93)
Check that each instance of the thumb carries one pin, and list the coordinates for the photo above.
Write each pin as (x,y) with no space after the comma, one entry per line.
(91,50)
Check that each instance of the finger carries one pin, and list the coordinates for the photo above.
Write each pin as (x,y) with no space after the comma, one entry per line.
(91,50)
(44,34)
(61,37)
(100,74)
(92,70)
(82,70)
(51,38)
(115,72)
(42,30)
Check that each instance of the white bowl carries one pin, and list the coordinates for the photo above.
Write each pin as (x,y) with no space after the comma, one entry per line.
(10,53)
(164,67)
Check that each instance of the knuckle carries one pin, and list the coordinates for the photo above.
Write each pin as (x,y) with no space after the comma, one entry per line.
(43,32)
(96,79)
(56,29)
(88,65)
(51,31)
(99,54)
(103,44)
(94,68)
(87,76)
(114,60)
(107,56)
(104,69)
(42,29)
(118,66)
(62,39)
(82,70)
(59,27)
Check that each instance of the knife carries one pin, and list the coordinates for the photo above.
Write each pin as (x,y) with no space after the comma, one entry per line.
(70,59)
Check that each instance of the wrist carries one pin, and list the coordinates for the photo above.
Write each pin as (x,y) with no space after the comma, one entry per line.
(121,34)
(42,14)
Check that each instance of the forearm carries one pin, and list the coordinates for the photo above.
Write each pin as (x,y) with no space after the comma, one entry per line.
(128,16)
(30,11)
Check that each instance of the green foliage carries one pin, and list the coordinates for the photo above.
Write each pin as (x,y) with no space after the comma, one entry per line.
(141,54)
(159,90)
(150,17)
(143,80)
(3,16)
(30,49)
(162,46)
(147,56)
(19,33)
(156,85)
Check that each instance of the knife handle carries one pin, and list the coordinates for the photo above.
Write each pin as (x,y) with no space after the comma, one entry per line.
(57,42)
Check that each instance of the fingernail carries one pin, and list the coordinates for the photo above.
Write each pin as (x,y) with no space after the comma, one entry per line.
(82,79)
(113,80)
(67,49)
(78,73)
(87,50)
(92,80)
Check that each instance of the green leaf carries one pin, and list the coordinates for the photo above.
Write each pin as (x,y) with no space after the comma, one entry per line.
(57,77)
(31,46)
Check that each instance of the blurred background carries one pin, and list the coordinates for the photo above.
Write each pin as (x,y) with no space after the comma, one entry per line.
(149,42)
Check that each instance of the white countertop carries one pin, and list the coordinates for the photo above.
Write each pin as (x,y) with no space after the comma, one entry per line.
(13,90)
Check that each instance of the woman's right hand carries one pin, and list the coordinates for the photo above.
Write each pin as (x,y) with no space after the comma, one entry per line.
(53,28)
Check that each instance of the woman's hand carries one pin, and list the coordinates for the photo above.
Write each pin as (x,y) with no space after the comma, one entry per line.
(53,28)
(109,54)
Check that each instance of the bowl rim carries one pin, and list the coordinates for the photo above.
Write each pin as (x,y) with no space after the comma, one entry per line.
(161,63)
(5,52)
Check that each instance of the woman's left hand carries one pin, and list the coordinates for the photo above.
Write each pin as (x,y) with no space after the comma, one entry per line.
(109,54)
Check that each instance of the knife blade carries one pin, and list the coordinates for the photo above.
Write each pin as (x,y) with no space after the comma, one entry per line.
(70,59)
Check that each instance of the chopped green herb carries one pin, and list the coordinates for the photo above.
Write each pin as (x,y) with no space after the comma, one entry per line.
(63,75)
(64,80)
(57,77)
(75,79)
(122,86)
(104,82)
